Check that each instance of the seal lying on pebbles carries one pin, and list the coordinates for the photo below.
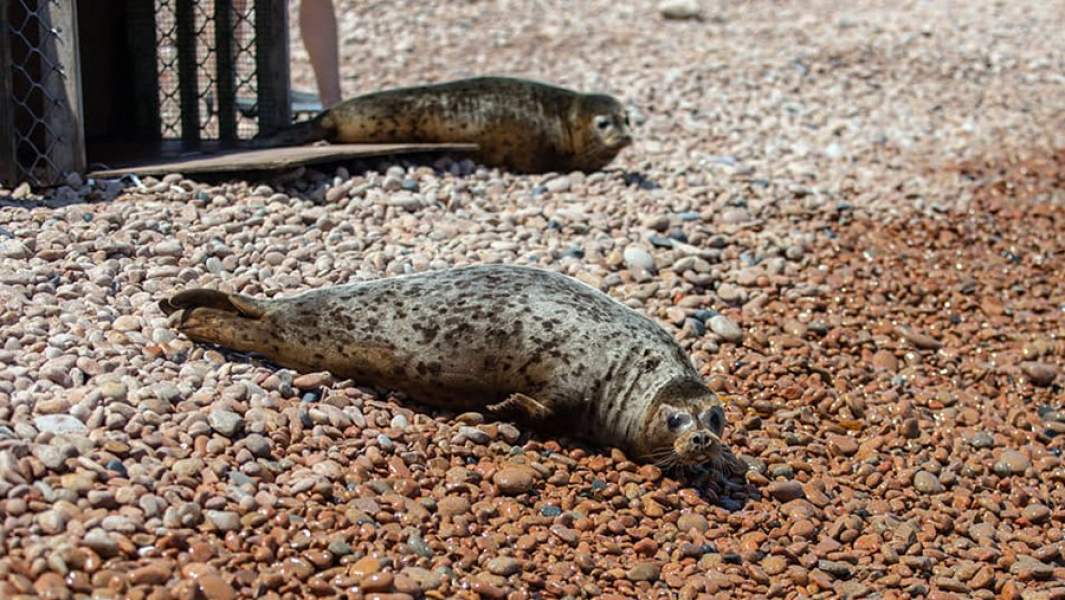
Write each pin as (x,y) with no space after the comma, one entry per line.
(524,125)
(515,341)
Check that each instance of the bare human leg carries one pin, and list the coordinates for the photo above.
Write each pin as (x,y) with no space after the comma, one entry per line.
(318,28)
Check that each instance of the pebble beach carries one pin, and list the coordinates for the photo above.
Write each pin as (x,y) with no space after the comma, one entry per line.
(851,217)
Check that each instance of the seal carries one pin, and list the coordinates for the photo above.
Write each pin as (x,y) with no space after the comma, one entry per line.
(523,125)
(519,342)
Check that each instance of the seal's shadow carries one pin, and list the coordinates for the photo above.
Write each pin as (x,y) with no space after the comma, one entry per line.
(638,179)
(726,487)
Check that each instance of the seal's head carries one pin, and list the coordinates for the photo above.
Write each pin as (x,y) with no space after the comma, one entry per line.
(601,129)
(681,430)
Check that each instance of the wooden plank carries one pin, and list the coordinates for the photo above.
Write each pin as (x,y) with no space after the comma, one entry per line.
(188,86)
(227,74)
(8,166)
(144,54)
(275,158)
(63,112)
(272,64)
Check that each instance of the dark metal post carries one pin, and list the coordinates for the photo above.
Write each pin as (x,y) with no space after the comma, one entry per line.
(8,164)
(62,87)
(144,54)
(272,65)
(188,86)
(227,75)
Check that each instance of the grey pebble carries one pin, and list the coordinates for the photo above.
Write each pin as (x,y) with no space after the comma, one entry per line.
(52,521)
(225,422)
(927,483)
(473,434)
(509,432)
(1030,565)
(114,391)
(56,424)
(558,184)
(339,547)
(1040,374)
(731,294)
(726,328)
(1036,513)
(167,392)
(224,520)
(418,545)
(1011,462)
(119,523)
(636,257)
(51,456)
(837,569)
(258,445)
(100,541)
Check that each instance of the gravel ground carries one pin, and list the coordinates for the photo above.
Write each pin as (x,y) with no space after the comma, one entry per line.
(854,219)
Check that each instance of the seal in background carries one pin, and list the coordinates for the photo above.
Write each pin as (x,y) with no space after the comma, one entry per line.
(523,125)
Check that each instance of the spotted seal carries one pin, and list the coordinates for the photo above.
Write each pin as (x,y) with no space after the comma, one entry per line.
(516,341)
(523,125)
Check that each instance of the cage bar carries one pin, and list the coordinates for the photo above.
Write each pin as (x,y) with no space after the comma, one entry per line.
(8,163)
(272,67)
(62,88)
(188,86)
(41,116)
(174,76)
(226,80)
(144,55)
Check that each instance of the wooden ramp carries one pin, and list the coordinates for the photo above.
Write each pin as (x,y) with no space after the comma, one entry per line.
(269,159)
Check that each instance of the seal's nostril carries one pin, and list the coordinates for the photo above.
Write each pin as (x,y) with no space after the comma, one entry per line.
(700,439)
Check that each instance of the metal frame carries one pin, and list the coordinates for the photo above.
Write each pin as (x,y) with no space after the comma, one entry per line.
(140,38)
(8,164)
(272,64)
(63,87)
(59,79)
(45,121)
(227,74)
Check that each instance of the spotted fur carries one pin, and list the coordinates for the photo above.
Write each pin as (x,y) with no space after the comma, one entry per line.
(469,337)
(524,125)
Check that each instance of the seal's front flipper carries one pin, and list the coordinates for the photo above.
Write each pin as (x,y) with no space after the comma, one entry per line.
(522,406)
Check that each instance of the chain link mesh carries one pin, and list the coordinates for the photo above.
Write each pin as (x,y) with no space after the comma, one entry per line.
(33,73)
(169,105)
(206,66)
(244,28)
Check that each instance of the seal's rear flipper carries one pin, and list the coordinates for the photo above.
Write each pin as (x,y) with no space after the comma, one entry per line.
(244,306)
(521,406)
(232,321)
(297,134)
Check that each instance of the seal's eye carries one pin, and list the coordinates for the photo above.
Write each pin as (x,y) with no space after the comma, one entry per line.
(678,421)
(714,418)
(602,122)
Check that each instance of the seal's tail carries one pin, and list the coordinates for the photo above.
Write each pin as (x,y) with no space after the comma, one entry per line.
(296,134)
(231,320)
(240,304)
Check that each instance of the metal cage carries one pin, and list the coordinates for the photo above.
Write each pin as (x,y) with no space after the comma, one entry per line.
(161,77)
(40,99)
